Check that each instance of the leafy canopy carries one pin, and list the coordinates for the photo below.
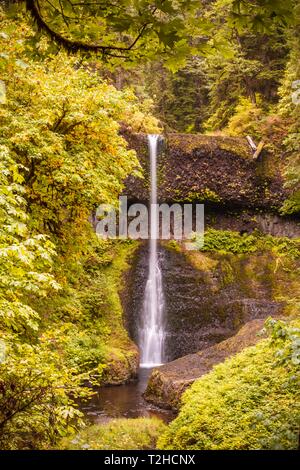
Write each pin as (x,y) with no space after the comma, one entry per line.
(136,29)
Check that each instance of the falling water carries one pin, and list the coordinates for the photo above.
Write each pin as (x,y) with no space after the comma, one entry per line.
(151,332)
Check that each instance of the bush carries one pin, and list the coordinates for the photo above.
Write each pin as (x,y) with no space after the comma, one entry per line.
(246,120)
(36,386)
(118,434)
(226,241)
(251,401)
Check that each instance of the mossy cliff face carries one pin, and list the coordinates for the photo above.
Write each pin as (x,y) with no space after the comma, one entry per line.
(210,295)
(213,169)
(122,357)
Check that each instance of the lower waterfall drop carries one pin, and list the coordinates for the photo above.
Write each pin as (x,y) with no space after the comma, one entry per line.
(151,330)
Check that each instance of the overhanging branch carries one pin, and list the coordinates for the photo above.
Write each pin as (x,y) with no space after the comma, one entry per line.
(79,46)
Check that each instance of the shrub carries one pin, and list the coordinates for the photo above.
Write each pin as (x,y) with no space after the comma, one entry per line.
(36,386)
(246,120)
(226,241)
(251,401)
(118,434)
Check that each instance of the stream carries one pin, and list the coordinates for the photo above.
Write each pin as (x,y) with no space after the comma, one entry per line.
(123,401)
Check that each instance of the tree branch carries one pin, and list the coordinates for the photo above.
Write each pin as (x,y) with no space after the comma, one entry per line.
(74,45)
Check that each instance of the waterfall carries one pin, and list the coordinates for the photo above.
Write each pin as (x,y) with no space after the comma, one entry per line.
(151,331)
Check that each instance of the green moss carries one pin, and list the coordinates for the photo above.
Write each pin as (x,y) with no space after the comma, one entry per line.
(226,241)
(228,274)
(118,434)
(172,245)
(205,195)
(189,142)
(292,204)
(251,401)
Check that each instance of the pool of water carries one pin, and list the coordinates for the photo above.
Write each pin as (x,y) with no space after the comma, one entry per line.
(123,401)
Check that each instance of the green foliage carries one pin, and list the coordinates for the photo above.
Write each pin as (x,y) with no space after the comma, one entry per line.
(292,204)
(24,260)
(226,241)
(289,108)
(289,350)
(145,28)
(35,389)
(250,401)
(82,349)
(180,98)
(61,122)
(247,119)
(254,66)
(238,64)
(128,29)
(118,434)
(260,15)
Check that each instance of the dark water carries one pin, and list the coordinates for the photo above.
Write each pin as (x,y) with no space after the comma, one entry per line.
(123,401)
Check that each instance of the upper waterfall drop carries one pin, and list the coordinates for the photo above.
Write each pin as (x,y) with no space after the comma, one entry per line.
(151,331)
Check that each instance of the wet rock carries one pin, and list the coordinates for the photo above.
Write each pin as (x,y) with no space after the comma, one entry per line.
(121,367)
(208,297)
(217,170)
(168,382)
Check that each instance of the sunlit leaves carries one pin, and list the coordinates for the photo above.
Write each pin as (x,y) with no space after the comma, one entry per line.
(66,133)
(34,395)
(22,258)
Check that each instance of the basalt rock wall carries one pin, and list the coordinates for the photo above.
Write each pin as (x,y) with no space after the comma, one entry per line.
(207,297)
(217,170)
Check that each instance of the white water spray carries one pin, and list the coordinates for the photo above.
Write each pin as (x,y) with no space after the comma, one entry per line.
(151,332)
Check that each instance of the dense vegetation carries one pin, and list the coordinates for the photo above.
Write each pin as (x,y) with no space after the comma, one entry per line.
(226,241)
(248,402)
(118,434)
(73,78)
(61,155)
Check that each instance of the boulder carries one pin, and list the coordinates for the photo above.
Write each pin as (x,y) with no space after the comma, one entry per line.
(168,382)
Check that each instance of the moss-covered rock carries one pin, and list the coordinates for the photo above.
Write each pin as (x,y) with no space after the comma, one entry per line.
(167,383)
(121,365)
(250,401)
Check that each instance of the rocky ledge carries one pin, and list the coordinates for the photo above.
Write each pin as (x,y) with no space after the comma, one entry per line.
(217,170)
(168,382)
